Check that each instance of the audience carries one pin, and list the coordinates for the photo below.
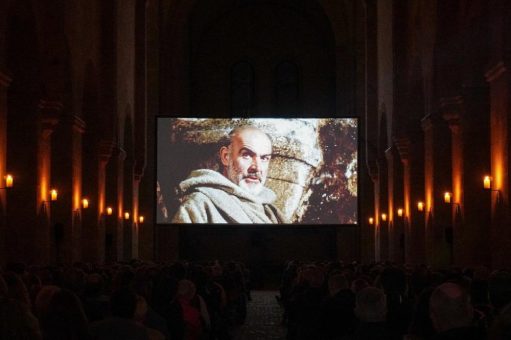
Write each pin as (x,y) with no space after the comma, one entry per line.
(208,301)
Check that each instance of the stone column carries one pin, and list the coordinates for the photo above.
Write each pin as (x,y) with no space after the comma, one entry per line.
(499,79)
(44,240)
(395,201)
(403,148)
(451,108)
(5,81)
(118,157)
(105,148)
(437,179)
(67,179)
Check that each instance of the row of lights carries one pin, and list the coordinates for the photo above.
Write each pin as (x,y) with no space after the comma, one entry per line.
(9,183)
(487,181)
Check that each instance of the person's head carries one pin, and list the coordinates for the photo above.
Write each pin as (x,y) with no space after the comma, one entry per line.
(336,283)
(186,290)
(123,303)
(450,307)
(499,289)
(247,158)
(64,317)
(371,305)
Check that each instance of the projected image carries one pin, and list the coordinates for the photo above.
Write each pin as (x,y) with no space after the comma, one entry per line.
(256,171)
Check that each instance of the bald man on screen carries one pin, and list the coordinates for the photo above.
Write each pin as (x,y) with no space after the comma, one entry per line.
(238,194)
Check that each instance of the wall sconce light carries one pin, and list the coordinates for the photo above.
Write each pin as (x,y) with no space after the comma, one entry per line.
(9,182)
(487,182)
(126,215)
(371,220)
(85,203)
(141,219)
(109,211)
(400,212)
(384,217)
(420,206)
(447,197)
(53,194)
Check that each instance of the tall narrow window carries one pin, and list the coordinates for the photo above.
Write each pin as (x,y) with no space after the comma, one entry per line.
(242,88)
(287,89)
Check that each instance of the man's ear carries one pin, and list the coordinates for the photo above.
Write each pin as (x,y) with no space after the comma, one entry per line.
(224,155)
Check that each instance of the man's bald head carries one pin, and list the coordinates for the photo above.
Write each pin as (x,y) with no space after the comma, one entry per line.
(450,307)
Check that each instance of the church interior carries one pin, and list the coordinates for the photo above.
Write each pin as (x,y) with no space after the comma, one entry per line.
(87,252)
(83,82)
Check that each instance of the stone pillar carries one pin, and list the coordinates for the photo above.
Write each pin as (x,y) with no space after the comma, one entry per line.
(499,79)
(115,189)
(5,81)
(67,179)
(451,108)
(381,206)
(403,148)
(437,179)
(44,240)
(139,174)
(467,118)
(98,237)
(395,201)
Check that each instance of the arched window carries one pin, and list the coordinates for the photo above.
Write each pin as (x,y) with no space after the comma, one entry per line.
(287,89)
(242,88)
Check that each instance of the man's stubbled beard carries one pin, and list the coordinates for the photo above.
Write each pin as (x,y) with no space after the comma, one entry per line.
(236,176)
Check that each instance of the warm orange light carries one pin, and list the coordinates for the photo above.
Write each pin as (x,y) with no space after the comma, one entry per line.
(109,211)
(126,215)
(141,219)
(383,217)
(53,195)
(447,197)
(85,203)
(371,220)
(487,182)
(9,181)
(400,212)
(420,206)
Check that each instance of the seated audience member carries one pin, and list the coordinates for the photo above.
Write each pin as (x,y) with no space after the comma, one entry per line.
(164,301)
(195,314)
(501,327)
(452,314)
(95,301)
(16,289)
(16,321)
(371,311)
(140,315)
(399,308)
(305,304)
(121,324)
(43,298)
(338,316)
(499,290)
(64,317)
(421,327)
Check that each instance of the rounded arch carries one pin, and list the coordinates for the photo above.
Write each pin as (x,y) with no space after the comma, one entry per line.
(193,29)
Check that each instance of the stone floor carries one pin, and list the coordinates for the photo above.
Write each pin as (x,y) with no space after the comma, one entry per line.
(264,318)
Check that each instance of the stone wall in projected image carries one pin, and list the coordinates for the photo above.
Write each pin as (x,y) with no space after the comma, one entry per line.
(308,172)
